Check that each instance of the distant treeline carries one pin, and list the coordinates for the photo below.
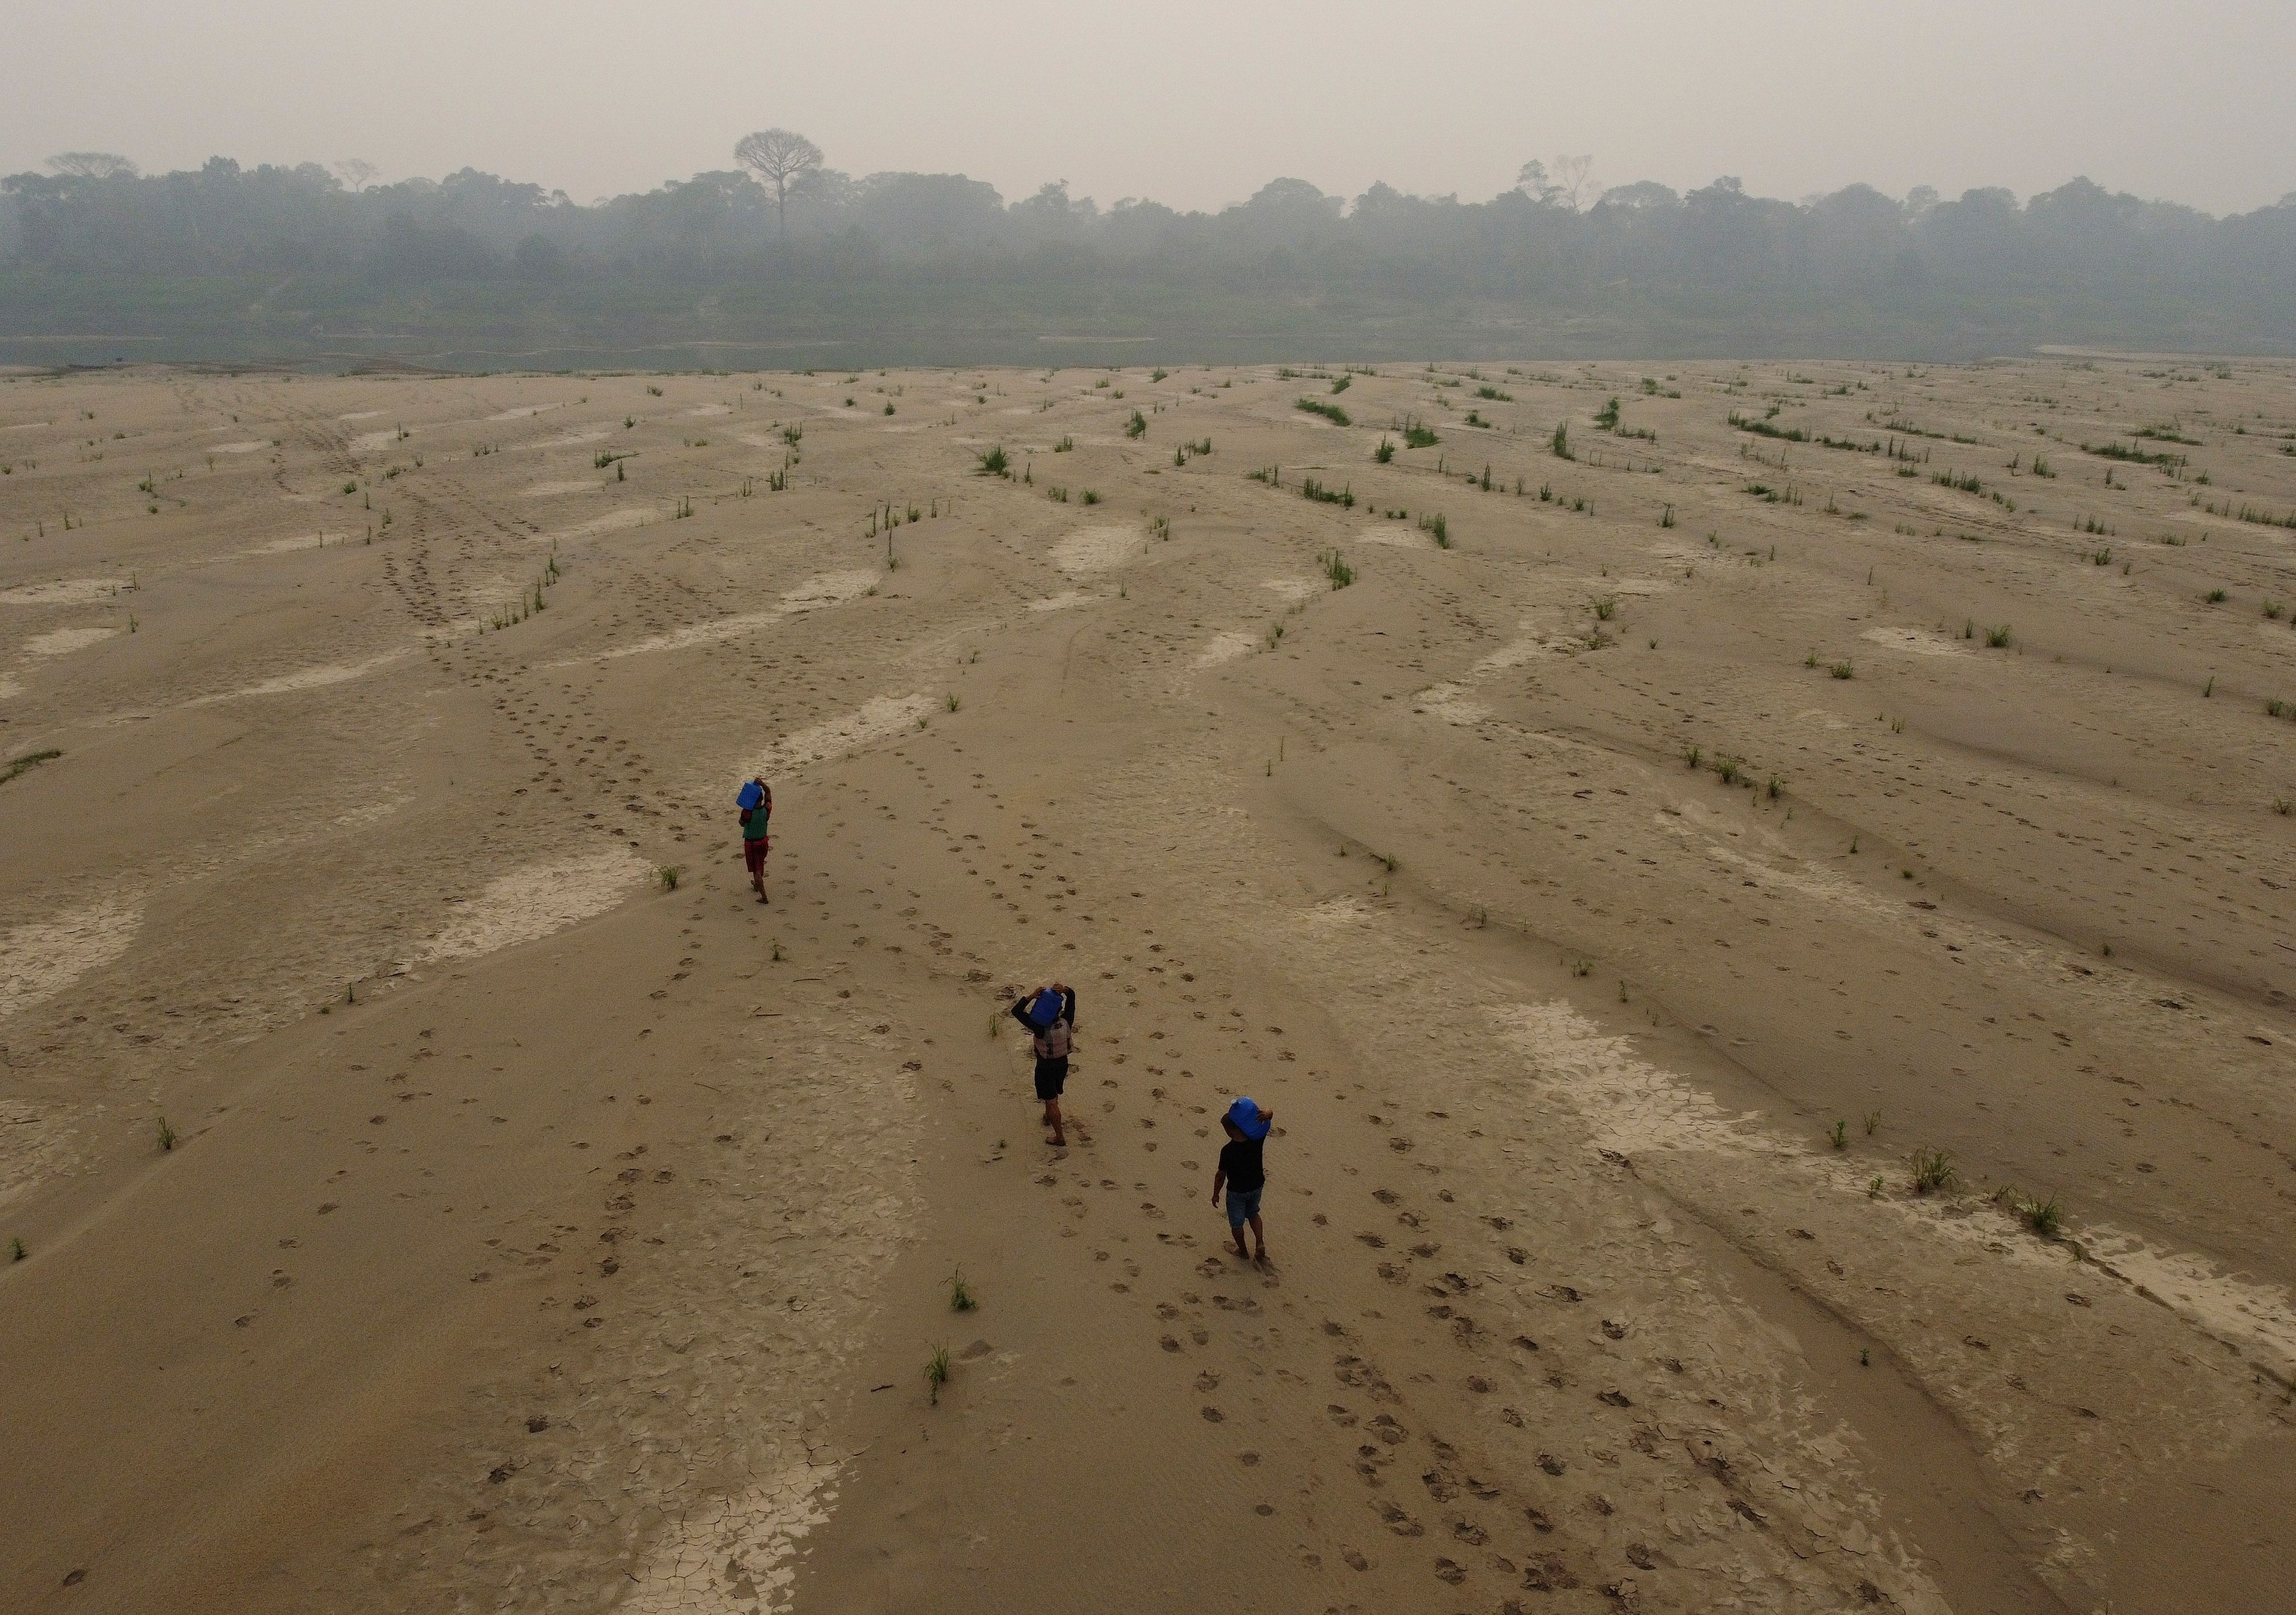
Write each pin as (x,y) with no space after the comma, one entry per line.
(231,264)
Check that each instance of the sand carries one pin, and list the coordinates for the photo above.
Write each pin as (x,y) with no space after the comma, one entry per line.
(40,958)
(1611,905)
(62,641)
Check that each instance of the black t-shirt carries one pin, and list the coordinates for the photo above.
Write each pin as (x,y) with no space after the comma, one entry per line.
(1240,1161)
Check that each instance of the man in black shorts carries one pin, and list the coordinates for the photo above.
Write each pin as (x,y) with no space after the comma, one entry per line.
(1242,1172)
(1049,1012)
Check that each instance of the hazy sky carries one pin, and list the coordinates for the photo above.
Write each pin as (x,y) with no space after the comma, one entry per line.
(1193,104)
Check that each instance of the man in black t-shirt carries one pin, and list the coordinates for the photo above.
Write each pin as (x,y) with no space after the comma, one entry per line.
(1243,1173)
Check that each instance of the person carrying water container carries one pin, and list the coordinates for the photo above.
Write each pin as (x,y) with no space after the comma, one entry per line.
(1049,1012)
(756,801)
(1243,1173)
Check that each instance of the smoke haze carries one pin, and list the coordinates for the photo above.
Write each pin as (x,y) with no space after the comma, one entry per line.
(1194,105)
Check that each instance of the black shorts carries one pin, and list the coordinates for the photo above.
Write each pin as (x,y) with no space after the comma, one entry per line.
(1052,1076)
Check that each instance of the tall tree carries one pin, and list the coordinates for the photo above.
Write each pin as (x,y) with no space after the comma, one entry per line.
(1572,183)
(784,158)
(92,165)
(357,172)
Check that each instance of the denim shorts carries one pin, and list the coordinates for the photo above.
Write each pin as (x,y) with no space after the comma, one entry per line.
(1243,1207)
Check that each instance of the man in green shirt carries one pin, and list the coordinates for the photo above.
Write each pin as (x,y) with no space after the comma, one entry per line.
(756,802)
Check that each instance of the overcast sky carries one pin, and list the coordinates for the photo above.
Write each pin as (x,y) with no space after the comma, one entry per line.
(1193,104)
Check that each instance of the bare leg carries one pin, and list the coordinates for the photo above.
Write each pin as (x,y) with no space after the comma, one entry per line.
(1237,1229)
(1052,1121)
(1259,1236)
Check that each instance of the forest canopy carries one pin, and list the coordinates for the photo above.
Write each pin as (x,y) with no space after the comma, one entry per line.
(316,265)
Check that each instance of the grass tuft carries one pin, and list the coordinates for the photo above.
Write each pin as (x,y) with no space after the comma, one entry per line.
(960,1294)
(25,763)
(167,1134)
(936,1371)
(1933,1171)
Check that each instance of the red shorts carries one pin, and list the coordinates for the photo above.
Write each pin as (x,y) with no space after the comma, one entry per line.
(753,854)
